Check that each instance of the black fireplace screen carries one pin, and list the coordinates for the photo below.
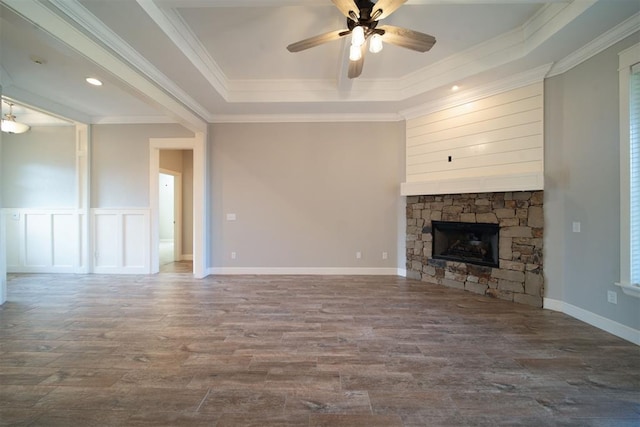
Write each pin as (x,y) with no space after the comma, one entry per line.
(466,242)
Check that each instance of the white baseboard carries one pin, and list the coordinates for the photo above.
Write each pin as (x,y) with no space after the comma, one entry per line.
(329,271)
(121,270)
(186,257)
(43,270)
(553,304)
(607,325)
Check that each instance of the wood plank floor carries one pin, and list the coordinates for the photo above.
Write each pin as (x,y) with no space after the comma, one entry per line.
(300,351)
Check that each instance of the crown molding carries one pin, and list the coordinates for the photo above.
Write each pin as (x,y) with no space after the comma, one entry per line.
(131,120)
(305,118)
(63,30)
(500,50)
(87,21)
(172,24)
(606,40)
(515,81)
(479,58)
(37,102)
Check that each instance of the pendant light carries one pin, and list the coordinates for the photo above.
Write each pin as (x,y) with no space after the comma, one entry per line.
(9,124)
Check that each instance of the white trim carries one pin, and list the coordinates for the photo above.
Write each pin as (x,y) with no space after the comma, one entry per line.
(79,14)
(133,120)
(402,272)
(329,271)
(83,185)
(607,325)
(120,266)
(305,118)
(186,257)
(483,184)
(515,81)
(631,290)
(174,27)
(198,146)
(77,39)
(594,47)
(552,304)
(74,237)
(505,48)
(37,102)
(626,59)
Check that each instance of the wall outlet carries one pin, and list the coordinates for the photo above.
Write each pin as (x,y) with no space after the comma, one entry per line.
(233,255)
(576,227)
(385,255)
(612,297)
(358,255)
(231,217)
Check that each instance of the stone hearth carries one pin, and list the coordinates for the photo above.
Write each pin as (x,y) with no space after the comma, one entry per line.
(519,278)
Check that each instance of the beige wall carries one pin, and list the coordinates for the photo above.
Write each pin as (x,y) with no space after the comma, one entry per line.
(39,168)
(306,194)
(120,162)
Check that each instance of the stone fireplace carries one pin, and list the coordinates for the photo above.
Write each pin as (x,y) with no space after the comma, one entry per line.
(517,217)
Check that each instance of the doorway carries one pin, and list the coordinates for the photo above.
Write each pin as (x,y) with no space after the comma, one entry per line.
(175,210)
(170,209)
(193,201)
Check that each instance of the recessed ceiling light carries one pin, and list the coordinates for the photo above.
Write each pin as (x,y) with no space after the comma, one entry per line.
(455,88)
(93,81)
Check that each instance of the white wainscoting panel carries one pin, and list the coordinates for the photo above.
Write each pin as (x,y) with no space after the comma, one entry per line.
(121,239)
(485,145)
(43,240)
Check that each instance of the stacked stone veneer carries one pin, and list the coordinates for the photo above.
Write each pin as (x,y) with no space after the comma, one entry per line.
(520,216)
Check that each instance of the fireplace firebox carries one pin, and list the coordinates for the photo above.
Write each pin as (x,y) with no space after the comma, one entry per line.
(474,243)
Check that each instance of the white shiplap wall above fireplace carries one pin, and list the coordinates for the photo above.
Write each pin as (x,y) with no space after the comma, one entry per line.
(486,145)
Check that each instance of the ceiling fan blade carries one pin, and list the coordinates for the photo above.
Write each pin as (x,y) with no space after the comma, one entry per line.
(406,38)
(316,40)
(347,7)
(386,8)
(355,67)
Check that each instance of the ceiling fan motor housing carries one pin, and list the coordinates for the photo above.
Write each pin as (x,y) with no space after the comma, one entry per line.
(365,21)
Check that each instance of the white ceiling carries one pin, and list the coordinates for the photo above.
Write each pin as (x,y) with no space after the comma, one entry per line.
(199,61)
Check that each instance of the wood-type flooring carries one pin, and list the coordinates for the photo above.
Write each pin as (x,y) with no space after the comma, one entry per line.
(170,350)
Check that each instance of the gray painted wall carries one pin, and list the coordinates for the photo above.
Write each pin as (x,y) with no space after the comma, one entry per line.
(39,168)
(306,194)
(120,163)
(582,183)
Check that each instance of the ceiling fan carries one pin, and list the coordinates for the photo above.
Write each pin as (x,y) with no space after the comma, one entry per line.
(362,23)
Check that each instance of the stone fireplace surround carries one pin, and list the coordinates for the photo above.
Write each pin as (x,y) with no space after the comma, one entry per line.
(519,278)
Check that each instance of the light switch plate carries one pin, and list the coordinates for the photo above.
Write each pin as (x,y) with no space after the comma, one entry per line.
(576,227)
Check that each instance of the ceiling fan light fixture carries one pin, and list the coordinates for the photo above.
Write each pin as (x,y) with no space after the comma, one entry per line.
(357,36)
(9,124)
(375,44)
(355,53)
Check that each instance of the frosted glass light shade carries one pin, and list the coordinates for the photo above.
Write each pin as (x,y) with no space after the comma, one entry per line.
(357,36)
(355,53)
(375,44)
(11,126)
